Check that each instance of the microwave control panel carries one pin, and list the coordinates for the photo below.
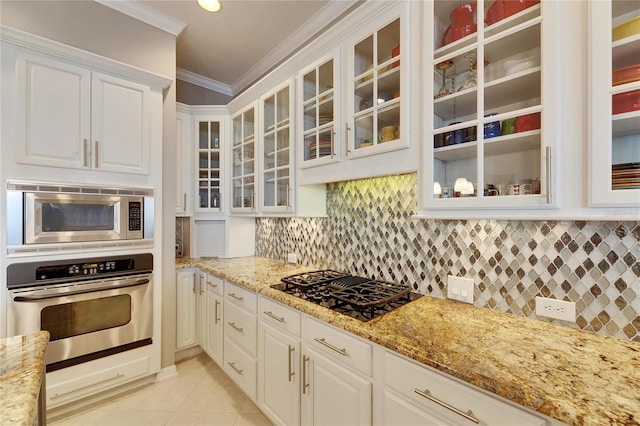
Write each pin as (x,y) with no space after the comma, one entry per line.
(135,220)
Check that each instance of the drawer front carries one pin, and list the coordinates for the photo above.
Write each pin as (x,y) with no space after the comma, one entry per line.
(241,327)
(242,297)
(279,316)
(214,284)
(437,394)
(338,345)
(241,368)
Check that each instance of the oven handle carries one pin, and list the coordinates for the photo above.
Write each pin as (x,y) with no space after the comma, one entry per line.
(53,293)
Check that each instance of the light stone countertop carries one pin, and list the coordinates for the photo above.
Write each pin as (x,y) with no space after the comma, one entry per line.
(574,376)
(22,368)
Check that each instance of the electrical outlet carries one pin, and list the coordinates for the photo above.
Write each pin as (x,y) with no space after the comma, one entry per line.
(554,308)
(292,258)
(460,289)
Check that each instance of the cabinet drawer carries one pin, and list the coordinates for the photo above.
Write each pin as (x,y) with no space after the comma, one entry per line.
(240,327)
(338,345)
(240,297)
(241,368)
(214,284)
(279,316)
(411,380)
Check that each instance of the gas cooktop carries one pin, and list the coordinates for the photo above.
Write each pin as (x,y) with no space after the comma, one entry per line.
(358,297)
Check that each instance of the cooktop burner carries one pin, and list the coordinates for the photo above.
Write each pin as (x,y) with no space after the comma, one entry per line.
(357,297)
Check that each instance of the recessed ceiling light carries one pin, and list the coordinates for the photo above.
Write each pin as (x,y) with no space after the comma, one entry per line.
(209,5)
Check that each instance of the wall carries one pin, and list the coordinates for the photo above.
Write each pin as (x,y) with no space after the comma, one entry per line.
(369,231)
(190,94)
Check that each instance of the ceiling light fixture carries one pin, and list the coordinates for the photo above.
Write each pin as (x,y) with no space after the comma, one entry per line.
(209,5)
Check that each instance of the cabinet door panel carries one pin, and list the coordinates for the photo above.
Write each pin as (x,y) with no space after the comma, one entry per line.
(185,310)
(53,106)
(120,125)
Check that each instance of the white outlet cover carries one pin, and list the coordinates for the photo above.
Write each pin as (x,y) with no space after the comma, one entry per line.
(292,258)
(554,308)
(460,289)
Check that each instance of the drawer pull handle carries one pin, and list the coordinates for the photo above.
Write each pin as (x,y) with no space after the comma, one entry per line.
(274,316)
(468,415)
(217,318)
(322,341)
(212,284)
(235,327)
(305,384)
(236,369)
(235,296)
(60,395)
(291,373)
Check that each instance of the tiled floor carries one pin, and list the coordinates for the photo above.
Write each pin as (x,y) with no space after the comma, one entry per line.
(201,394)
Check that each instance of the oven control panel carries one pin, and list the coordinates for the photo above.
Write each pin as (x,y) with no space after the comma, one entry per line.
(83,269)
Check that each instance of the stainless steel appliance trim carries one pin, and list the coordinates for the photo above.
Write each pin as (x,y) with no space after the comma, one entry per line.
(28,186)
(468,415)
(71,289)
(322,341)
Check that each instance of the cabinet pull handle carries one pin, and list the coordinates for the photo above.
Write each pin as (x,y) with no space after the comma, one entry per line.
(274,316)
(85,154)
(347,129)
(201,285)
(193,289)
(184,201)
(212,284)
(236,369)
(235,327)
(291,373)
(305,384)
(548,153)
(288,196)
(235,296)
(95,156)
(216,318)
(333,145)
(322,341)
(468,415)
(60,395)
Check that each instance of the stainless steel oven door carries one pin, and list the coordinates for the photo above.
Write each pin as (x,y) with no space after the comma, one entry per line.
(85,317)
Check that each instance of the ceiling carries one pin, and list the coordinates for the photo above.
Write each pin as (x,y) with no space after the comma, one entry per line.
(228,50)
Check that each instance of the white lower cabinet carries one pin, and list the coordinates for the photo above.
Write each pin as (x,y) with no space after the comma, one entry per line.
(214,314)
(185,309)
(416,394)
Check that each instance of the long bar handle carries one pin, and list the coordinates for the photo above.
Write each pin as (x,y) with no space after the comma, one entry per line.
(305,384)
(201,284)
(85,154)
(274,316)
(236,369)
(291,373)
(468,415)
(548,183)
(322,341)
(60,395)
(216,319)
(184,200)
(235,296)
(333,144)
(235,327)
(347,129)
(95,154)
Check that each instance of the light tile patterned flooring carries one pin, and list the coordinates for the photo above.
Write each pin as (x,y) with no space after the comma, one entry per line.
(201,394)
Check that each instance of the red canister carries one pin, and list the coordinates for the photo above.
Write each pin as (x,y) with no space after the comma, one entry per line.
(527,122)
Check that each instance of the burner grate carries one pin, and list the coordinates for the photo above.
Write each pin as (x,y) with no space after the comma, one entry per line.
(371,293)
(308,279)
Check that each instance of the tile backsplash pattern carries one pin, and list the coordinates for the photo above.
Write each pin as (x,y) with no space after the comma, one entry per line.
(369,231)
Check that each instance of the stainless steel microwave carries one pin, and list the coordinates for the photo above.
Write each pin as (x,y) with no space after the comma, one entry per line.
(40,213)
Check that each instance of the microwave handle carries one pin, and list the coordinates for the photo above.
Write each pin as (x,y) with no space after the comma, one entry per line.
(52,293)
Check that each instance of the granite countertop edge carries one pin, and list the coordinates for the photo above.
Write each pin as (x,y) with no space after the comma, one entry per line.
(574,376)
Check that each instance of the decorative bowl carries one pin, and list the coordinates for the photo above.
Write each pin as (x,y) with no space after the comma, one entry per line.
(626,75)
(626,29)
(626,102)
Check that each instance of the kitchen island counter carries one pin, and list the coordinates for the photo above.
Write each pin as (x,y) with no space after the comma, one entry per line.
(574,376)
(22,371)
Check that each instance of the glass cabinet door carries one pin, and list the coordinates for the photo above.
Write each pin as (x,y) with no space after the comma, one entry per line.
(209,149)
(375,80)
(615,107)
(319,113)
(486,96)
(276,149)
(243,161)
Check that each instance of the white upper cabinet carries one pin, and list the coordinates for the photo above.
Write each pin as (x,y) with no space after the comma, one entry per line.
(615,103)
(210,142)
(243,162)
(491,108)
(183,163)
(72,117)
(276,149)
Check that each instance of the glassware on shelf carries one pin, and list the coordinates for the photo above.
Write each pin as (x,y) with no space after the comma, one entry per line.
(444,89)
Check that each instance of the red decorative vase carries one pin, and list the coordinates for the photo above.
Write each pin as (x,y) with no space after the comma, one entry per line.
(462,23)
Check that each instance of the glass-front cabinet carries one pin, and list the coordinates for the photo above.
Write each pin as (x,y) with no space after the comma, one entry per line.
(490,105)
(377,77)
(276,109)
(318,93)
(615,103)
(210,137)
(243,163)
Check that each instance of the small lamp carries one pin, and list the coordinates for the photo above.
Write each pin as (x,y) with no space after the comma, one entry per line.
(460,187)
(437,190)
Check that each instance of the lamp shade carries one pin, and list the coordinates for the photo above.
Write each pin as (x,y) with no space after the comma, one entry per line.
(437,189)
(460,185)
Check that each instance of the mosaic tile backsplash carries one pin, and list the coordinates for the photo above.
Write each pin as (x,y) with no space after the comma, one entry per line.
(369,231)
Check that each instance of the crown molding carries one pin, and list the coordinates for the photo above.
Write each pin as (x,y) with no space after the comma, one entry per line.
(323,19)
(146,14)
(207,83)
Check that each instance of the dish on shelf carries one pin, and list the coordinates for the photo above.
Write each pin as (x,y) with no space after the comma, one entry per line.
(625,176)
(626,29)
(512,66)
(626,75)
(626,102)
(502,9)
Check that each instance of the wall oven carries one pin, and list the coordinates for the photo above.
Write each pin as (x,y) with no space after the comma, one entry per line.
(91,307)
(45,213)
